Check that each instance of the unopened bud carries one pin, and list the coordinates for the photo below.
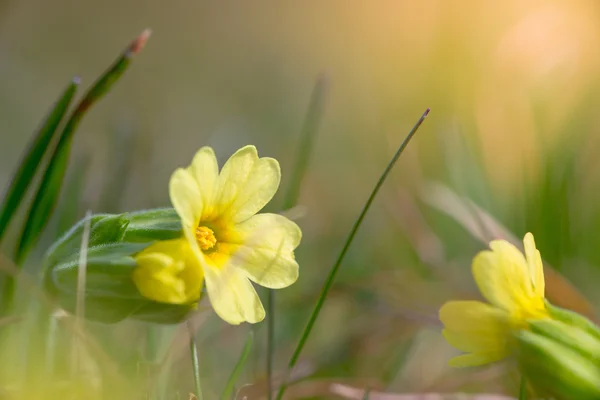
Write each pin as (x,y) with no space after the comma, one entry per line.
(114,243)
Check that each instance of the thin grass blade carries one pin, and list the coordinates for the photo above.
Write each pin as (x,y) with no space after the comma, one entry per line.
(195,361)
(239,366)
(37,148)
(334,270)
(523,389)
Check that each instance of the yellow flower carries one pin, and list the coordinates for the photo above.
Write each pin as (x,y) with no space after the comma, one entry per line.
(513,285)
(229,243)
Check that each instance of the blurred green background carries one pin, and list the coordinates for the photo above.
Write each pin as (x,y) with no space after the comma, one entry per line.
(513,88)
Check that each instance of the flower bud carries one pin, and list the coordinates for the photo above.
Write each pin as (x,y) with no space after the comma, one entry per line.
(560,360)
(115,241)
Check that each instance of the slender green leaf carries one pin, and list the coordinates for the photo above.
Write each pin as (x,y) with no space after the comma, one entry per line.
(32,159)
(49,190)
(334,270)
(523,389)
(195,361)
(239,366)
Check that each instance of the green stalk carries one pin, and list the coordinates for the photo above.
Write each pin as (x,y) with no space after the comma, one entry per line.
(195,360)
(307,138)
(523,389)
(334,270)
(237,370)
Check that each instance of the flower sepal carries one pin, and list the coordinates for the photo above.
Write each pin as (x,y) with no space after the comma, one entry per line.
(153,225)
(560,360)
(103,229)
(573,319)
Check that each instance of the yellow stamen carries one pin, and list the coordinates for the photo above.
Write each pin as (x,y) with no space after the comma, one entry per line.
(205,237)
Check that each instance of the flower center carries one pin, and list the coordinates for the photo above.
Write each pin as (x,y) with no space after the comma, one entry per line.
(205,237)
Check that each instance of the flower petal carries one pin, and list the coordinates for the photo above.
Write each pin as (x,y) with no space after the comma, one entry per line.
(185,197)
(246,184)
(536,267)
(473,326)
(267,252)
(205,171)
(168,272)
(232,296)
(156,279)
(502,276)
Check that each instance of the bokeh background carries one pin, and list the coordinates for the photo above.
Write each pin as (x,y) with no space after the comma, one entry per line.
(513,133)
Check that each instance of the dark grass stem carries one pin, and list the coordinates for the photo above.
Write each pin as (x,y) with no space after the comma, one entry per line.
(310,127)
(239,366)
(334,270)
(195,361)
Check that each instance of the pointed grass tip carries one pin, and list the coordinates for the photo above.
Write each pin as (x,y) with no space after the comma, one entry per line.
(76,80)
(139,42)
(426,113)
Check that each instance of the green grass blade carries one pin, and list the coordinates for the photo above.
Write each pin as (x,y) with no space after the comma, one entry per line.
(195,361)
(48,192)
(239,366)
(334,270)
(523,389)
(307,138)
(31,161)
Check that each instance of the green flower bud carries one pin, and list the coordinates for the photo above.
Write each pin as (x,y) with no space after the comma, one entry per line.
(110,292)
(560,360)
(108,271)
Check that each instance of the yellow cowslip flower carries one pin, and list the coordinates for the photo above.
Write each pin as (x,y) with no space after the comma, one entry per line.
(513,285)
(226,241)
